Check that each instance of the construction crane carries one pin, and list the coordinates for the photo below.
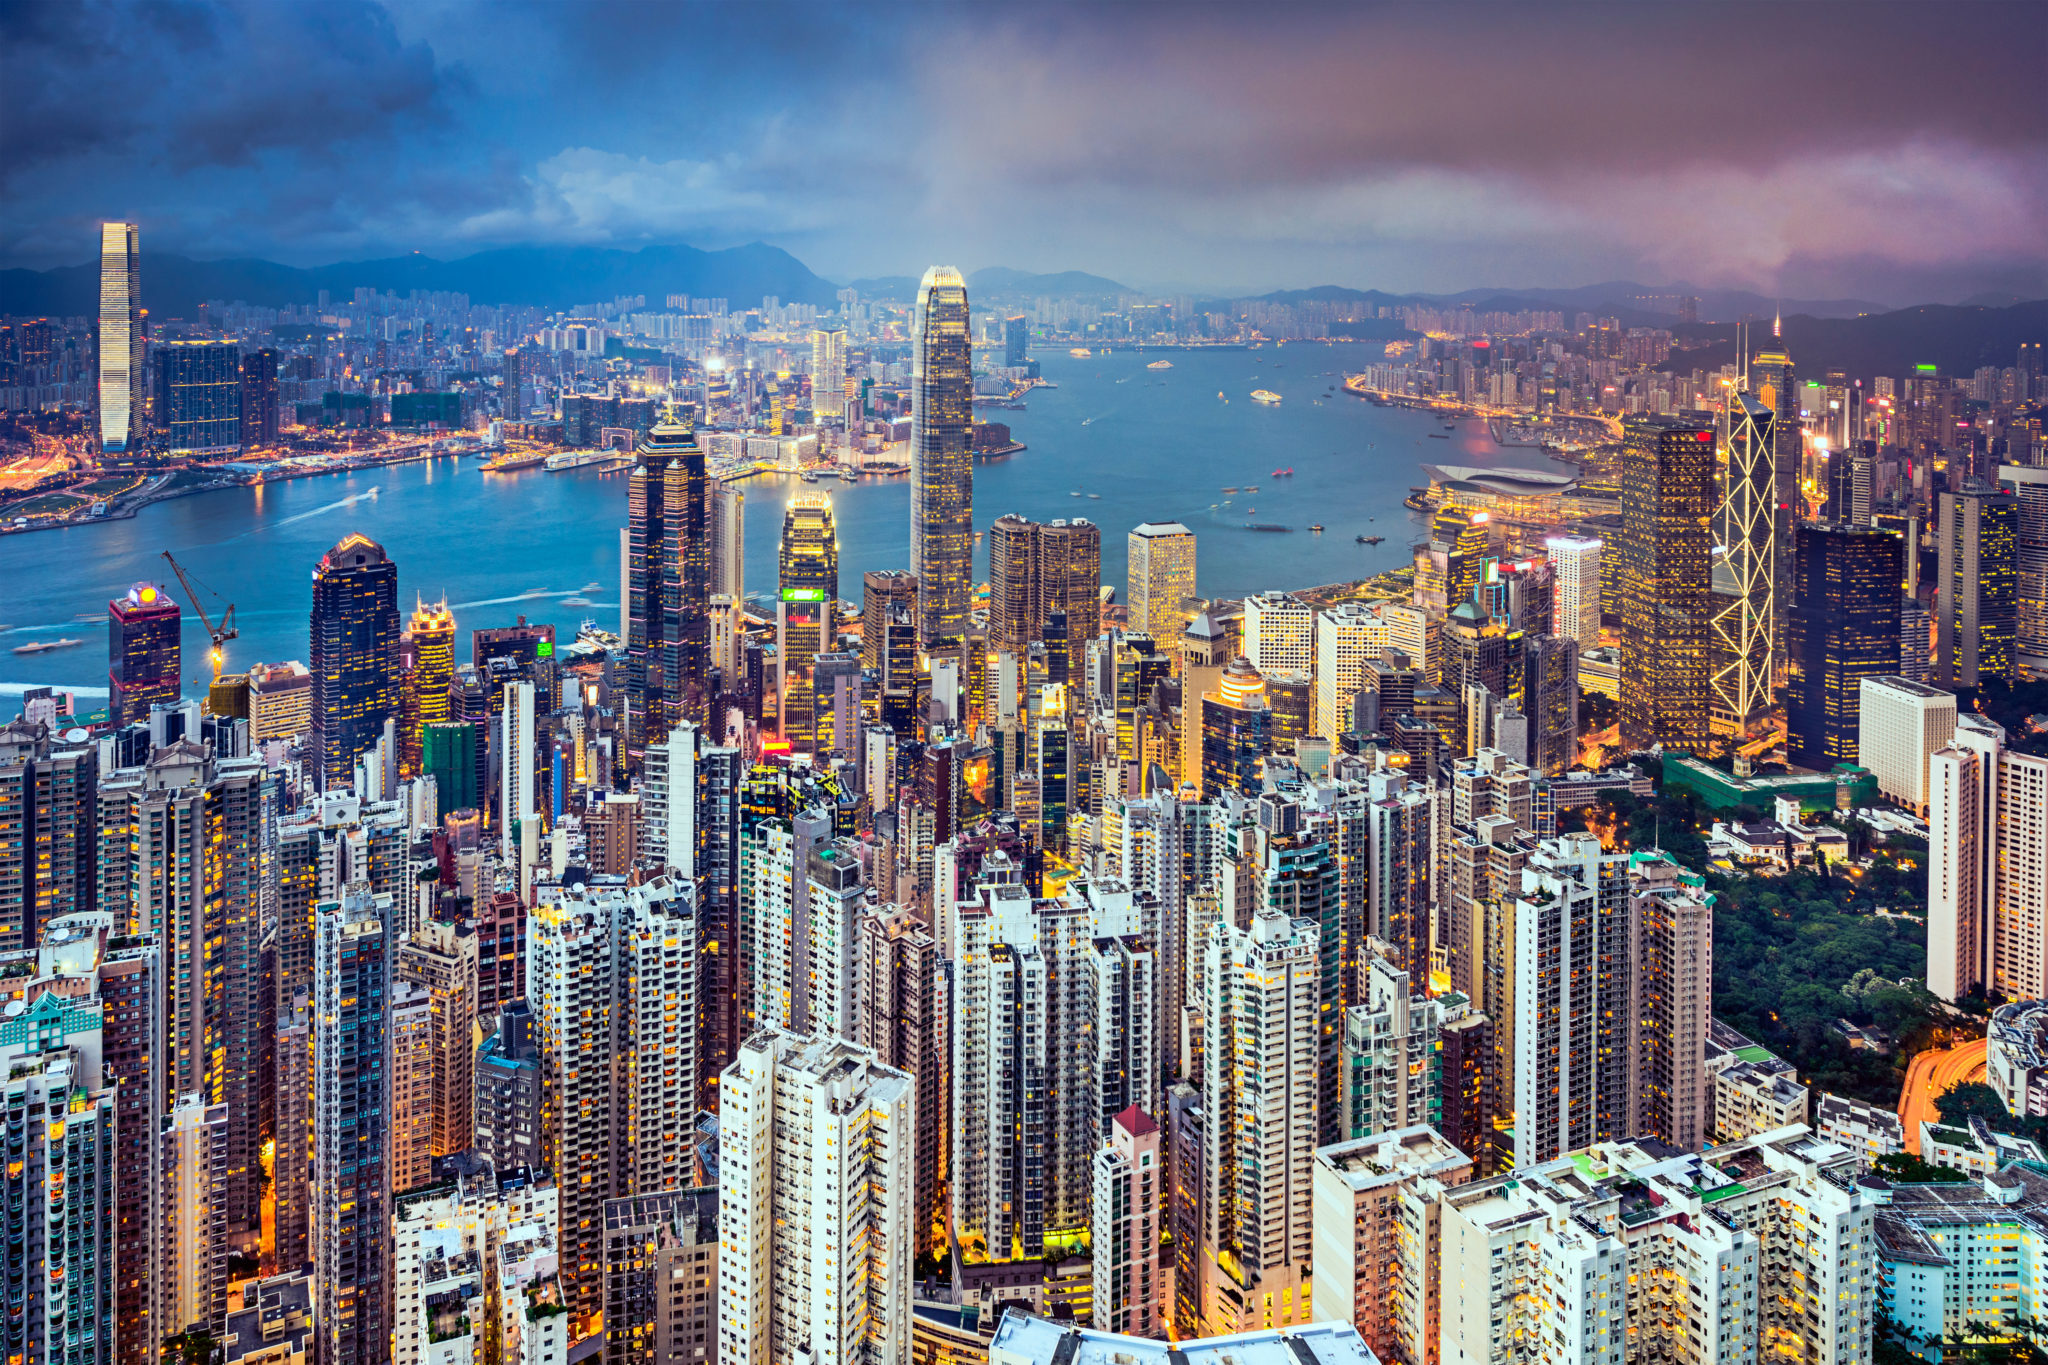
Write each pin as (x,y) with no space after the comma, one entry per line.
(220,634)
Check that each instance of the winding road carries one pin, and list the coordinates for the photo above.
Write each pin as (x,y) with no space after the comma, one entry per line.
(1933,1074)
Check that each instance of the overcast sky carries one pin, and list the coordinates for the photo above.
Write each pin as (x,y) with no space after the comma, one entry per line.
(1888,151)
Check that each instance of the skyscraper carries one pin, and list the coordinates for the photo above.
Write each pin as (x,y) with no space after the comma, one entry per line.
(351,1076)
(941,459)
(1771,384)
(120,341)
(1976,607)
(814,1205)
(2029,486)
(1987,869)
(646,692)
(1575,608)
(355,655)
(1667,500)
(426,700)
(259,398)
(1844,627)
(1745,576)
(806,610)
(1130,1180)
(685,567)
(828,374)
(1039,570)
(144,631)
(199,397)
(1160,573)
(1237,730)
(1016,341)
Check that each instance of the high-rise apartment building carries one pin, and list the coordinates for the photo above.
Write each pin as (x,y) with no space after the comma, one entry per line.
(1575,607)
(145,629)
(199,397)
(728,541)
(49,806)
(354,656)
(259,399)
(815,1149)
(942,458)
(806,611)
(1976,607)
(474,1269)
(661,1278)
(120,391)
(828,374)
(1746,572)
(1667,501)
(1900,725)
(57,1121)
(352,1111)
(1130,1185)
(1842,627)
(440,959)
(1039,573)
(1160,575)
(1260,1003)
(426,684)
(507,1120)
(1349,637)
(902,1024)
(1389,1054)
(1987,868)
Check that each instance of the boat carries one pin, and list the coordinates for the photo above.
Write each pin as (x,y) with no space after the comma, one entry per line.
(1265,526)
(1266,396)
(1286,473)
(1160,365)
(578,602)
(1317,527)
(45,646)
(1370,540)
(1252,488)
(1080,352)
(1096,496)
(1075,494)
(1219,394)
(1450,426)
(505,464)
(1230,490)
(1086,420)
(90,616)
(1438,436)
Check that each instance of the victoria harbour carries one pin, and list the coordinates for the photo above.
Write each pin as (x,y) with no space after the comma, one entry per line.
(1112,440)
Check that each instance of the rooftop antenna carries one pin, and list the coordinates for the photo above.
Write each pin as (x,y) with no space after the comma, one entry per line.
(1778,322)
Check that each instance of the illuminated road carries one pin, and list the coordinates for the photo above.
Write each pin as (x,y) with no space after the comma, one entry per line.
(1933,1074)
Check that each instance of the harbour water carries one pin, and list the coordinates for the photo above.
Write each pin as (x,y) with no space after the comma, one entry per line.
(1114,442)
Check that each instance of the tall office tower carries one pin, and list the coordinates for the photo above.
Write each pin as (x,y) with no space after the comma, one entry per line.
(685,568)
(352,1107)
(49,804)
(1130,1182)
(1259,1009)
(1772,387)
(728,630)
(474,1269)
(728,518)
(1379,1240)
(941,458)
(57,1121)
(144,632)
(1484,668)
(1348,638)
(2028,485)
(612,981)
(441,960)
(427,684)
(517,785)
(1977,606)
(1390,1056)
(1038,570)
(1844,627)
(882,590)
(512,385)
(199,397)
(121,426)
(1237,730)
(828,374)
(1900,726)
(259,399)
(806,611)
(661,1278)
(647,539)
(1746,641)
(1016,340)
(815,1149)
(1550,702)
(1667,498)
(902,1024)
(1279,632)
(1453,561)
(509,1090)
(1204,650)
(1575,607)
(1160,575)
(354,655)
(1987,873)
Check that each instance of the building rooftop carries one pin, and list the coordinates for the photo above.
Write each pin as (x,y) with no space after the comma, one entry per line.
(1024,1340)
(1385,1158)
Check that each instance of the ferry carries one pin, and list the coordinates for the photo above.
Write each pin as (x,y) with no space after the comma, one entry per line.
(1265,526)
(1080,353)
(574,459)
(1230,490)
(1437,436)
(45,646)
(505,464)
(1266,396)
(1370,540)
(1252,488)
(1286,473)
(1317,527)
(1160,365)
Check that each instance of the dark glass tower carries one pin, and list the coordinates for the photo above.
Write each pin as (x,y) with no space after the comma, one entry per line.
(1667,502)
(143,631)
(806,609)
(941,459)
(259,398)
(199,396)
(1844,627)
(685,568)
(354,655)
(1976,622)
(646,550)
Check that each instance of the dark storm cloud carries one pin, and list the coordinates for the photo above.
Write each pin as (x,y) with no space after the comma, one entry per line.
(1881,149)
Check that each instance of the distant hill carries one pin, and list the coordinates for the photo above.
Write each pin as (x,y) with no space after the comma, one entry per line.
(1000,279)
(1956,338)
(542,277)
(894,288)
(1615,296)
